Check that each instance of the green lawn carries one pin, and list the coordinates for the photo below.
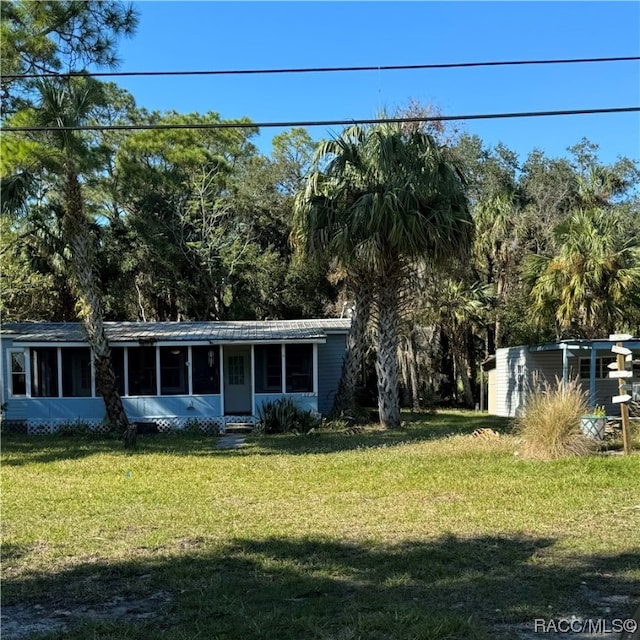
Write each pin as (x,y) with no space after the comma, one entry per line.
(422,533)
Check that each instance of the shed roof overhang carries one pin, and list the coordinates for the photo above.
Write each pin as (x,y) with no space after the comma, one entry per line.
(587,345)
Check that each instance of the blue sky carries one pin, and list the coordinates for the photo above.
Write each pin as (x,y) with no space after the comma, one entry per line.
(244,35)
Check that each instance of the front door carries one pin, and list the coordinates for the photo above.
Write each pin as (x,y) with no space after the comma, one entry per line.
(237,380)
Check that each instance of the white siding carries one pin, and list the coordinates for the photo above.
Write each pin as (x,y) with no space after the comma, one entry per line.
(511,365)
(491,391)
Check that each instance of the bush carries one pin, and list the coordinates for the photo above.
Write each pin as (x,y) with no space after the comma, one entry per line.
(550,426)
(77,428)
(283,416)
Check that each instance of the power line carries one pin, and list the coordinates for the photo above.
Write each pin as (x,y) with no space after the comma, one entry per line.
(322,123)
(396,67)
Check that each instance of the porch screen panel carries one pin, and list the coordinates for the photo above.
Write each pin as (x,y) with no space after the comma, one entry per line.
(44,372)
(205,369)
(268,368)
(174,379)
(299,367)
(142,371)
(76,373)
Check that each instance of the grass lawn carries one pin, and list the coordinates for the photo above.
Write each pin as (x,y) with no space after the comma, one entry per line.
(423,533)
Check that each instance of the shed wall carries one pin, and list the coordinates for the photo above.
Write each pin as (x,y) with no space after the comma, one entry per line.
(511,363)
(491,392)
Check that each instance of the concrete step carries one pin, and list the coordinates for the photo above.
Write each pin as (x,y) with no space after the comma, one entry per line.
(239,427)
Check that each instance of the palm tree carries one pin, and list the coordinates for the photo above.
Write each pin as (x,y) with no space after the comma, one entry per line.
(498,226)
(594,278)
(63,105)
(379,197)
(458,307)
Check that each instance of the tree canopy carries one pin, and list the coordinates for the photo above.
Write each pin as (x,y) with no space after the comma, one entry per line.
(442,247)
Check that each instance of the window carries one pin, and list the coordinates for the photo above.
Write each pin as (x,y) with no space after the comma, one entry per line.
(76,372)
(605,365)
(44,372)
(205,369)
(268,368)
(18,373)
(299,367)
(117,358)
(236,370)
(602,367)
(585,368)
(142,371)
(173,371)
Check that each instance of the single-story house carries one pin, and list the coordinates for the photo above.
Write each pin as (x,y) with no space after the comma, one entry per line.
(170,373)
(513,372)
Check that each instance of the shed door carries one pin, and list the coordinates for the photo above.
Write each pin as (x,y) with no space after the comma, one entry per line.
(237,380)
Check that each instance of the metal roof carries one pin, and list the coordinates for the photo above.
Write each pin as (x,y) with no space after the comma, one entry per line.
(582,343)
(233,331)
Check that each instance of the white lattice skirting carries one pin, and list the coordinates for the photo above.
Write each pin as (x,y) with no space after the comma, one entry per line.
(208,425)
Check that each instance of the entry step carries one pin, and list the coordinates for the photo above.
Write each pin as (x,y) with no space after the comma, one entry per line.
(239,427)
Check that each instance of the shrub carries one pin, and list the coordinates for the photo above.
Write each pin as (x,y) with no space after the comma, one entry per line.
(284,416)
(77,428)
(550,425)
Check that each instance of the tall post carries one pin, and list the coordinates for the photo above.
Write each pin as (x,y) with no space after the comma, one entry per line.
(622,374)
(592,376)
(624,407)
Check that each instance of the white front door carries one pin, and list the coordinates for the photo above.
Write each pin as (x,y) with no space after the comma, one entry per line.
(237,380)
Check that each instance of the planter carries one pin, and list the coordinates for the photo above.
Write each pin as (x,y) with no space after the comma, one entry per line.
(593,426)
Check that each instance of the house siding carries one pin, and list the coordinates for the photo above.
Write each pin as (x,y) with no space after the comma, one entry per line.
(330,358)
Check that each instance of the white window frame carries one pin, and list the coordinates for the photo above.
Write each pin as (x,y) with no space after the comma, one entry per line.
(27,372)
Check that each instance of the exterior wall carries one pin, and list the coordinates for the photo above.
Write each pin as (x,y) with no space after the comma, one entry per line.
(330,357)
(546,365)
(605,390)
(5,344)
(511,366)
(491,392)
(174,411)
(305,401)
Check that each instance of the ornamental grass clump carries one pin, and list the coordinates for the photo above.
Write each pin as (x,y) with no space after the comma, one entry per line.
(550,425)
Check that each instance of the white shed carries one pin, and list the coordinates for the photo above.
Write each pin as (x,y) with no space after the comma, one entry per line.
(518,369)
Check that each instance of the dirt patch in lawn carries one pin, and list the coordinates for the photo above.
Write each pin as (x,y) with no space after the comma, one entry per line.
(19,622)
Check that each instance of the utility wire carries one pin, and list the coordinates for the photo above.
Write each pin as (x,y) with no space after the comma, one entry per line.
(321,123)
(396,67)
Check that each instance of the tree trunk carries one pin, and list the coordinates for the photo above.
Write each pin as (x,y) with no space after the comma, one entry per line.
(403,360)
(456,338)
(356,347)
(414,375)
(90,303)
(387,353)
